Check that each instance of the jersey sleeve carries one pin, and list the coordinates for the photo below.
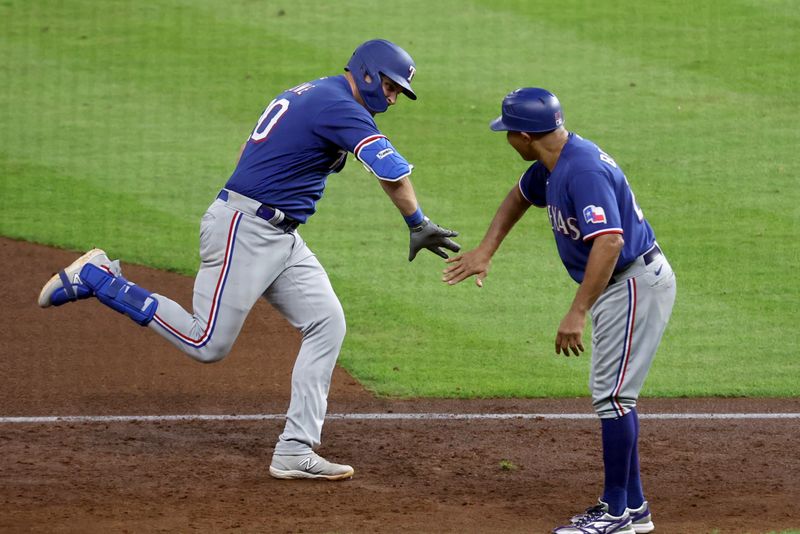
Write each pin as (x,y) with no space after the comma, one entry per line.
(595,204)
(352,128)
(533,185)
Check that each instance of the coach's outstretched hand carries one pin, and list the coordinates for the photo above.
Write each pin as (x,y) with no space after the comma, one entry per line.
(461,267)
(430,235)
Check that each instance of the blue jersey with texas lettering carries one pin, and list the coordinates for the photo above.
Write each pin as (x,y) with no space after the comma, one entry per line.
(587,195)
(303,136)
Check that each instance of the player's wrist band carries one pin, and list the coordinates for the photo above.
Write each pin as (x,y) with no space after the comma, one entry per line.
(415,219)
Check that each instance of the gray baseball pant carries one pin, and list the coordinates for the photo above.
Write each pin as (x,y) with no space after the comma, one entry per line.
(244,257)
(628,321)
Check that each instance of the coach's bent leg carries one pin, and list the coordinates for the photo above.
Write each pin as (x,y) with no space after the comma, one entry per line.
(303,294)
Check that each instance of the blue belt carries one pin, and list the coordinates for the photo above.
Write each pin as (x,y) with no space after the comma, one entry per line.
(649,257)
(287,224)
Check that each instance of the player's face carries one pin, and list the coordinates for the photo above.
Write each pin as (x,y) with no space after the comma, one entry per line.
(522,144)
(391,90)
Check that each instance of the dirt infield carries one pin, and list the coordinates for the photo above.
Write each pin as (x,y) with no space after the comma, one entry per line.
(735,476)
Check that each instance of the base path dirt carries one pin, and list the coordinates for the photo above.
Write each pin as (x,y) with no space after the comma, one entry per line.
(481,476)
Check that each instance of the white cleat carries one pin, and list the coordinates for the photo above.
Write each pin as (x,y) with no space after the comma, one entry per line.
(310,465)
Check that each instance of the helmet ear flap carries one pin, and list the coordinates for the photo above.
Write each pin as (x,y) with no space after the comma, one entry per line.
(368,82)
(377,57)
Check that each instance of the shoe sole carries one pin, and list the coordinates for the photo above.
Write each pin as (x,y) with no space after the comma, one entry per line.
(55,281)
(575,529)
(644,528)
(293,475)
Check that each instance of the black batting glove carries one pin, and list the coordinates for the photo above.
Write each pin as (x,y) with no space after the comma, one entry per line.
(431,236)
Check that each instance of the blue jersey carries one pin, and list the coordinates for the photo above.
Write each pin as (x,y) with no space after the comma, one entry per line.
(587,195)
(303,136)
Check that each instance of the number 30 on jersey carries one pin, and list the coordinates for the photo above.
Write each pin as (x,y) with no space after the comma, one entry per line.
(274,112)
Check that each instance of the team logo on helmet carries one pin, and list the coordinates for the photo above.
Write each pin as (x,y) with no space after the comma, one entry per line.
(411,72)
(559,118)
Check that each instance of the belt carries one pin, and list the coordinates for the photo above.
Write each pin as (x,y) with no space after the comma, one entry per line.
(273,216)
(652,255)
(648,257)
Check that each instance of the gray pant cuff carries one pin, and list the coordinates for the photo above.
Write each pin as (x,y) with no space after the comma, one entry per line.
(291,448)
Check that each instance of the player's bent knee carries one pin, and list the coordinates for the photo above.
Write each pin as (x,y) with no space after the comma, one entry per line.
(337,328)
(120,295)
(338,322)
(212,354)
(330,320)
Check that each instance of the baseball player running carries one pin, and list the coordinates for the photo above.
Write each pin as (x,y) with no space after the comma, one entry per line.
(250,245)
(626,284)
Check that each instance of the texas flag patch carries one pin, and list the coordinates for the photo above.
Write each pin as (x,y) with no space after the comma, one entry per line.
(594,214)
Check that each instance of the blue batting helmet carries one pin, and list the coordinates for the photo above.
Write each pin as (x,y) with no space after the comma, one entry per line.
(529,109)
(378,57)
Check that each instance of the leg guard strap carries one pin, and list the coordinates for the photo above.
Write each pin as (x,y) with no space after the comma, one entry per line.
(69,291)
(120,295)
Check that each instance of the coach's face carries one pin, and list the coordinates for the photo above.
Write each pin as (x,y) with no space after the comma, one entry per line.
(522,143)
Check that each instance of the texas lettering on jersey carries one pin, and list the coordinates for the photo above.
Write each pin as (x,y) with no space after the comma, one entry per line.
(567,226)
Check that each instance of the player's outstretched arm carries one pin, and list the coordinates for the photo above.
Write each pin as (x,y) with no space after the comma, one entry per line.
(477,261)
(424,233)
(402,194)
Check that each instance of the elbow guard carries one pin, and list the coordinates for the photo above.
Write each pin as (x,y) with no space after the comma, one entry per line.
(380,158)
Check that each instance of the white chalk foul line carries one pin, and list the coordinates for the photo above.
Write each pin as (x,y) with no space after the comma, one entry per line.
(375,417)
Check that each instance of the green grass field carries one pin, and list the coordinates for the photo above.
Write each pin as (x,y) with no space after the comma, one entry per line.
(122,120)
